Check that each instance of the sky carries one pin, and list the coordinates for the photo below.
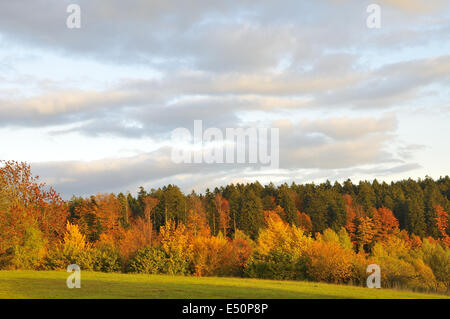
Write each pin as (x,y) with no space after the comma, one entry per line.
(92,108)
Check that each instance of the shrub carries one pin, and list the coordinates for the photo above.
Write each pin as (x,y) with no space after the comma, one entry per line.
(424,279)
(73,250)
(393,246)
(328,261)
(437,258)
(107,259)
(359,269)
(241,251)
(278,264)
(211,256)
(148,260)
(395,272)
(31,252)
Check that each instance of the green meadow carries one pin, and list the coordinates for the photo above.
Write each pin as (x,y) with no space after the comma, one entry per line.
(52,284)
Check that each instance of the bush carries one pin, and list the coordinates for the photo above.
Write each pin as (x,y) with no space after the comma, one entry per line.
(359,269)
(148,260)
(107,259)
(424,279)
(395,273)
(437,258)
(328,261)
(278,264)
(73,250)
(58,259)
(241,251)
(211,256)
(31,252)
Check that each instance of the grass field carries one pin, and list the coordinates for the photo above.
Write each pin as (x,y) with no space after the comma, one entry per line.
(52,284)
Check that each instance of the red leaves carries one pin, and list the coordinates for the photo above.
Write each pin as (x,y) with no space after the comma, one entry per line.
(29,203)
(385,223)
(304,222)
(442,223)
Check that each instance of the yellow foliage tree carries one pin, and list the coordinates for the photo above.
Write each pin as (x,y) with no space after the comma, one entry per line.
(282,236)
(328,261)
(176,241)
(74,241)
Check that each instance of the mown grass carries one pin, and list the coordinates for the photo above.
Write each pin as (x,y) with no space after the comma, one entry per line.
(52,284)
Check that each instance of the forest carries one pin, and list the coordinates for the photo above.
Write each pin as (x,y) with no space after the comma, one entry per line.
(328,232)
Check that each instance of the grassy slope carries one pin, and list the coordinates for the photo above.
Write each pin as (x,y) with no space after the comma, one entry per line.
(52,284)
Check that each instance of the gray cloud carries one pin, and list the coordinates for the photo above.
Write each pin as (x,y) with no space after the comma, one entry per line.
(209,35)
(217,60)
(300,149)
(162,105)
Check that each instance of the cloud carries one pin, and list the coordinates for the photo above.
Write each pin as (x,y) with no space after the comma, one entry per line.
(392,84)
(313,68)
(350,128)
(175,101)
(327,145)
(336,142)
(238,36)
(417,6)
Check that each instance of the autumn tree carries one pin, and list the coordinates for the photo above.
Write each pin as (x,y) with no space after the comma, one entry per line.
(139,235)
(328,261)
(280,235)
(442,224)
(109,211)
(178,246)
(211,255)
(196,219)
(353,213)
(149,209)
(385,223)
(224,214)
(365,231)
(84,213)
(304,221)
(27,203)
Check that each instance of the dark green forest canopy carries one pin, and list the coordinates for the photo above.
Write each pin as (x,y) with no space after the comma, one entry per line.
(413,203)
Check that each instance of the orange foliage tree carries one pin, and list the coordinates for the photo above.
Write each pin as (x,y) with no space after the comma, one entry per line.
(353,213)
(328,261)
(304,221)
(442,224)
(197,222)
(385,223)
(224,216)
(223,208)
(365,231)
(149,204)
(28,203)
(139,235)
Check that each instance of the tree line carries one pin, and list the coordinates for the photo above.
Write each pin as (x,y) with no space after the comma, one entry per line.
(324,232)
(414,204)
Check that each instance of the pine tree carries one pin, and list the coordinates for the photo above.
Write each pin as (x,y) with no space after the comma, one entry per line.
(251,217)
